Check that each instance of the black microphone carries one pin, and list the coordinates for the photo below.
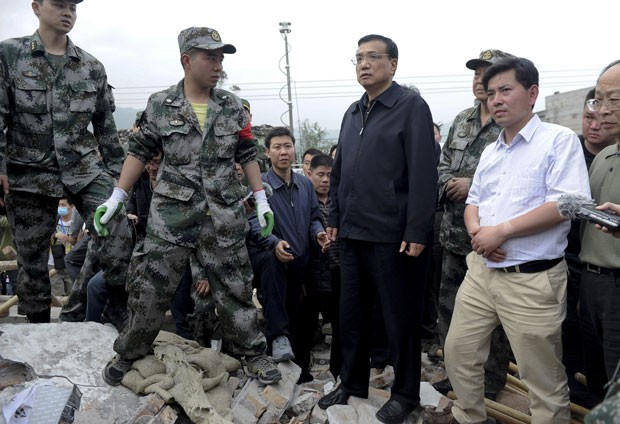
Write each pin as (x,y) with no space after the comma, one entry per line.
(573,206)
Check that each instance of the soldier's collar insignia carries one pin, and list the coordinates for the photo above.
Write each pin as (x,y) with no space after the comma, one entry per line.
(33,45)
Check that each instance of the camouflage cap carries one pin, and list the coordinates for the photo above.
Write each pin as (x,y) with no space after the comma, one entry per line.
(246,104)
(487,58)
(203,38)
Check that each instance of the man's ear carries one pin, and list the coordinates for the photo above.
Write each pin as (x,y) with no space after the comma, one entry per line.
(36,8)
(394,63)
(533,94)
(185,60)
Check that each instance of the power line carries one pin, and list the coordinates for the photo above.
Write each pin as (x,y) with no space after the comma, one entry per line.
(347,88)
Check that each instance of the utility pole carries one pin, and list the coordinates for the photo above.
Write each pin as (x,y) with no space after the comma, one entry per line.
(284,29)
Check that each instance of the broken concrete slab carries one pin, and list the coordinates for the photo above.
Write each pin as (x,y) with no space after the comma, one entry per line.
(342,414)
(76,352)
(266,404)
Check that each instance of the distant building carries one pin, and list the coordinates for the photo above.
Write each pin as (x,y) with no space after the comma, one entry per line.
(565,108)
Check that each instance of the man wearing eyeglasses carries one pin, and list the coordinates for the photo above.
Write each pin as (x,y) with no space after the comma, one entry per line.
(383,219)
(600,254)
(593,140)
(196,208)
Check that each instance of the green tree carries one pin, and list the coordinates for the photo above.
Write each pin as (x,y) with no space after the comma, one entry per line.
(313,135)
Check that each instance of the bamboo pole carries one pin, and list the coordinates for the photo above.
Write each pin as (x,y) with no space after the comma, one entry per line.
(8,265)
(10,302)
(574,408)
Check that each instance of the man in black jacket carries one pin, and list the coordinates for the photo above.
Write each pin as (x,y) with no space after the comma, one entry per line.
(383,219)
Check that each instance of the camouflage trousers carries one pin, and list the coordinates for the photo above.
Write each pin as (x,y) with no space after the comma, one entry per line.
(33,218)
(607,411)
(155,272)
(453,272)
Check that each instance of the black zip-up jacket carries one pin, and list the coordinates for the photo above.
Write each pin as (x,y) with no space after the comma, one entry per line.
(384,178)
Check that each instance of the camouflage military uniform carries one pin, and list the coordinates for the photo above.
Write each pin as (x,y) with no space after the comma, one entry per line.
(196,209)
(48,151)
(607,411)
(459,158)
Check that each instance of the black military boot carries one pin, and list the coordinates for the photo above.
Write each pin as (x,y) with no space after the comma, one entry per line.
(42,317)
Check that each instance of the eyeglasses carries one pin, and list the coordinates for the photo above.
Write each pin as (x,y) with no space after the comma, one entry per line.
(594,105)
(370,57)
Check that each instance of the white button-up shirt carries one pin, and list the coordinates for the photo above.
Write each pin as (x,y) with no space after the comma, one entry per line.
(543,162)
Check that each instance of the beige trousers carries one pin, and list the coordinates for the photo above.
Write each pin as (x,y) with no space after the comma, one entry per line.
(531,308)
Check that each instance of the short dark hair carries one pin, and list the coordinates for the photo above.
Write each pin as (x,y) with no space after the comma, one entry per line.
(331,149)
(67,198)
(391,48)
(278,132)
(606,68)
(526,73)
(311,151)
(321,160)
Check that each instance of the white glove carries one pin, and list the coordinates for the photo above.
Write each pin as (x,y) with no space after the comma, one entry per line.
(264,213)
(108,210)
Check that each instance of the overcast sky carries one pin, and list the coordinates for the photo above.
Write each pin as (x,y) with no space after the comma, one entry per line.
(137,43)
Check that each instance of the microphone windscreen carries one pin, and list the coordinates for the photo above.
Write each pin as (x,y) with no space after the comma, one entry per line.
(570,204)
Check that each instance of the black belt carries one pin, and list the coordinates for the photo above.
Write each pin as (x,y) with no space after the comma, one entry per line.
(601,269)
(532,266)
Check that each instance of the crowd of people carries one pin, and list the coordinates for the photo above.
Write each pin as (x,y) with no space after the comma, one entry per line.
(392,239)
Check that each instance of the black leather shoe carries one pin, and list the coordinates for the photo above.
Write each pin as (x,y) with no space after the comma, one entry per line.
(337,397)
(394,412)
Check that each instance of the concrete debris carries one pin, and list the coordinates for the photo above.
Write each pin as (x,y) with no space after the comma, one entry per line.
(342,414)
(433,374)
(77,352)
(13,372)
(381,378)
(318,416)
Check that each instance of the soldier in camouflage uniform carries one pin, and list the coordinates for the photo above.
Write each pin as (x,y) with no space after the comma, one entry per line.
(196,208)
(50,91)
(472,130)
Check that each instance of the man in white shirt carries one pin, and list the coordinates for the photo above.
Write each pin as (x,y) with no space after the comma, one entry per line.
(516,273)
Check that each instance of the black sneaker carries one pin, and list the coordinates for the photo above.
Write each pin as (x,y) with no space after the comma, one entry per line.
(115,370)
(264,369)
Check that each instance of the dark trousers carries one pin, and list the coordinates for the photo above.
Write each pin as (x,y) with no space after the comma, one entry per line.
(572,343)
(335,354)
(600,326)
(430,317)
(371,269)
(97,296)
(279,285)
(74,259)
(182,305)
